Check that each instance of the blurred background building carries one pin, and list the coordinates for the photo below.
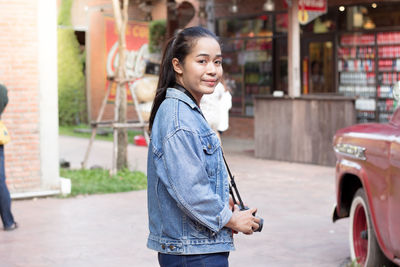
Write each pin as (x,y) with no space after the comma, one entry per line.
(312,52)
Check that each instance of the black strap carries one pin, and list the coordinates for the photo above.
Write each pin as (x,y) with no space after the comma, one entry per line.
(185,91)
(233,185)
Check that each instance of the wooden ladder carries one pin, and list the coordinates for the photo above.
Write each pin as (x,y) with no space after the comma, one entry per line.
(141,124)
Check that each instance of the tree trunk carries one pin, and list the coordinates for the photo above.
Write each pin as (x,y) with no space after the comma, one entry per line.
(121,20)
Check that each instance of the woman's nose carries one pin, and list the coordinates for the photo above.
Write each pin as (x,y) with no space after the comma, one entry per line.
(211,68)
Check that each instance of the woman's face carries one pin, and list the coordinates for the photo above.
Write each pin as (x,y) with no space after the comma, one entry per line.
(201,69)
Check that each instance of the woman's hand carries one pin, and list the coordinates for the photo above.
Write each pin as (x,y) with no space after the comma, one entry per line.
(243,221)
(231,204)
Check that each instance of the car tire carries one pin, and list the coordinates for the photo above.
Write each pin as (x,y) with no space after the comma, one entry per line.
(364,247)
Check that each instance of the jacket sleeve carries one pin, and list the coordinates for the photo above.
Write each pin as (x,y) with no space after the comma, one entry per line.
(3,98)
(188,183)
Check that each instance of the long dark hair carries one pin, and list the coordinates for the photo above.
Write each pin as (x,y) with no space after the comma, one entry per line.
(179,46)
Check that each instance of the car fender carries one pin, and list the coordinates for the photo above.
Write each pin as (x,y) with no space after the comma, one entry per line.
(346,168)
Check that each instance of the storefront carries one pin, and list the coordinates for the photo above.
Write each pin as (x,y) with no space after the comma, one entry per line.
(350,51)
(255,57)
(353,51)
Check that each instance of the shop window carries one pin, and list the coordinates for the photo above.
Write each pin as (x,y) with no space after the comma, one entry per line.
(281,22)
(320,68)
(248,64)
(248,51)
(261,26)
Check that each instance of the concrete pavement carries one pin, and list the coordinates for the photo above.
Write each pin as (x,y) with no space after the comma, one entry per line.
(295,201)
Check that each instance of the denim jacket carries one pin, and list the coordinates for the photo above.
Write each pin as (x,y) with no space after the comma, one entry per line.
(188,191)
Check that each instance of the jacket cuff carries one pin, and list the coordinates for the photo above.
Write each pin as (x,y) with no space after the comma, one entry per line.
(224,217)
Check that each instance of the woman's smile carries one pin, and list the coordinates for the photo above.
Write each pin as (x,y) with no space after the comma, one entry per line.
(211,83)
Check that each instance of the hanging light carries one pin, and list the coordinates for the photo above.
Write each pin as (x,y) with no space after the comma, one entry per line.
(269,5)
(202,9)
(234,7)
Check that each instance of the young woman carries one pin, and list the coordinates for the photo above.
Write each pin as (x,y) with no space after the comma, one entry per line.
(190,218)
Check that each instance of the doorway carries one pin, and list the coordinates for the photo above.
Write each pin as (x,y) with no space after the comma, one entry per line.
(318,66)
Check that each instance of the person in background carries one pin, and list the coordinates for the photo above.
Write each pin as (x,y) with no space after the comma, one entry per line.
(210,105)
(191,216)
(225,104)
(317,80)
(5,199)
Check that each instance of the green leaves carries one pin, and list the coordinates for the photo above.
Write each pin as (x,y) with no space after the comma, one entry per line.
(71,80)
(158,29)
(64,15)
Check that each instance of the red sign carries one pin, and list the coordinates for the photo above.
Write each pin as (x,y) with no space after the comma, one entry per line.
(311,9)
(313,5)
(137,39)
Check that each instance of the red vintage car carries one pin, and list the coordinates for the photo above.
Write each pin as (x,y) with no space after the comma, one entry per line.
(368,189)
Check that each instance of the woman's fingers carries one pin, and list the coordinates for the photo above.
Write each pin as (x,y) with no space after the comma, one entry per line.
(255,226)
(253,210)
(249,231)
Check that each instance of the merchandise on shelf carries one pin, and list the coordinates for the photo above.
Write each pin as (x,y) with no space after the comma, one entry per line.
(388,38)
(392,51)
(357,78)
(368,66)
(357,90)
(385,91)
(356,65)
(357,39)
(388,78)
(357,52)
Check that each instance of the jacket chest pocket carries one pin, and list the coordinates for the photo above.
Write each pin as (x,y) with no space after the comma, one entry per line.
(211,147)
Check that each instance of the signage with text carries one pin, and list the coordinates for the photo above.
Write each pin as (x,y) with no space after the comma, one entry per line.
(137,39)
(311,9)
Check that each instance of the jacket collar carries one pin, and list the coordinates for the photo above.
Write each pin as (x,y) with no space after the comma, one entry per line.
(175,93)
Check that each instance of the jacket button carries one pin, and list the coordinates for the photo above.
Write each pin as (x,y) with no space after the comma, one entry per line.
(171,247)
(209,146)
(163,246)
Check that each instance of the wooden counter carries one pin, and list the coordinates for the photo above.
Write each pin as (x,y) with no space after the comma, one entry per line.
(300,129)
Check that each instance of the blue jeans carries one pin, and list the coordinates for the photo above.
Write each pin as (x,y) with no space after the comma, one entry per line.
(201,260)
(5,200)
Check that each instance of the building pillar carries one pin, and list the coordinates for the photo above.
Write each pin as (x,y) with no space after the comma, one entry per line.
(48,94)
(210,15)
(294,50)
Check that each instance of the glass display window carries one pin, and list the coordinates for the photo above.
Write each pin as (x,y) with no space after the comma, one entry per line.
(253,27)
(368,66)
(281,22)
(248,64)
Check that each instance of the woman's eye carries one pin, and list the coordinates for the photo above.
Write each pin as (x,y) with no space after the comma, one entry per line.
(218,62)
(202,61)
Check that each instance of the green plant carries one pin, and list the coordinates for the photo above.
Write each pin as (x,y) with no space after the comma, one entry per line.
(98,181)
(158,29)
(64,15)
(71,80)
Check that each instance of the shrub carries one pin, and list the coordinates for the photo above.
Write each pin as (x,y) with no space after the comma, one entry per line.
(158,30)
(71,80)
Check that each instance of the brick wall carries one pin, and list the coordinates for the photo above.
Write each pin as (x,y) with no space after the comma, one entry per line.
(240,127)
(19,71)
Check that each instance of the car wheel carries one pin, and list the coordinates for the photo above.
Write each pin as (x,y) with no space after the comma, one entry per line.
(364,248)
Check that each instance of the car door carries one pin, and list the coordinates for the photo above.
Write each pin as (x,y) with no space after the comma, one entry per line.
(394,195)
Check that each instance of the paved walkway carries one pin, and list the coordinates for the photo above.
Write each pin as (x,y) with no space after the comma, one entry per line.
(295,201)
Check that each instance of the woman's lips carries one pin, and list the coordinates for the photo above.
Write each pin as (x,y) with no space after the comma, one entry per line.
(210,82)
